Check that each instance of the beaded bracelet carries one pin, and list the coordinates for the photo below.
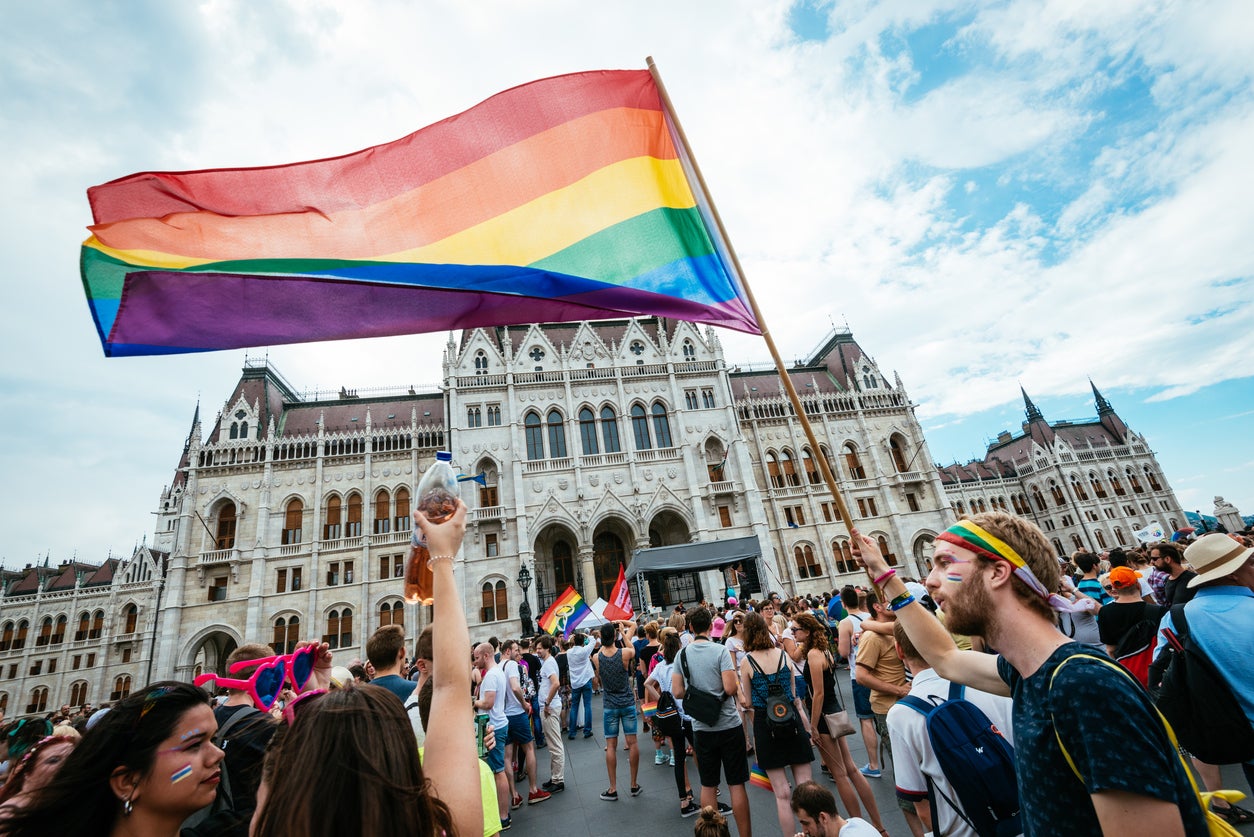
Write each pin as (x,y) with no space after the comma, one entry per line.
(431,561)
(900,602)
(889,573)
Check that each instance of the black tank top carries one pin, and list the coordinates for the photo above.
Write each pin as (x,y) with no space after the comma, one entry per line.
(831,703)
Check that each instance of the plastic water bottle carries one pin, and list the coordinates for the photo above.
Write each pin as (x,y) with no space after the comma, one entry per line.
(437,499)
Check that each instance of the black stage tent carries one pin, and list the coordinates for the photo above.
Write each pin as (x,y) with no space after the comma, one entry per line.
(707,555)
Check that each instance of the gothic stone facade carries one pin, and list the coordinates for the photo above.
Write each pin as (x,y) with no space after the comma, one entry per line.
(1089,485)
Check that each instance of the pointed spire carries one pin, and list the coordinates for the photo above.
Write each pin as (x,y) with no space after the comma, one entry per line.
(1103,406)
(1033,413)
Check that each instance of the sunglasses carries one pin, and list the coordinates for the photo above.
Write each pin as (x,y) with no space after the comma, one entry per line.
(299,664)
(263,686)
(289,711)
(1109,588)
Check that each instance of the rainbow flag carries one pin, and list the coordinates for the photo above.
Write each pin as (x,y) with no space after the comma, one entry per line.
(757,776)
(568,198)
(649,708)
(565,614)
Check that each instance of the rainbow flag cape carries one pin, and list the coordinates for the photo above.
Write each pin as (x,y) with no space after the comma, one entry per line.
(758,777)
(569,198)
(565,614)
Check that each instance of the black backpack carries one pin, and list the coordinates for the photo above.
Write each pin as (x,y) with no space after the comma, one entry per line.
(666,718)
(781,718)
(1196,700)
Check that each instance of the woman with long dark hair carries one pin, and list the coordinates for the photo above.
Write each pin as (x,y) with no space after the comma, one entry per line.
(850,783)
(142,770)
(658,681)
(35,770)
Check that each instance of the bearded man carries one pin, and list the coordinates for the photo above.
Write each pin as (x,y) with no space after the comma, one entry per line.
(1092,756)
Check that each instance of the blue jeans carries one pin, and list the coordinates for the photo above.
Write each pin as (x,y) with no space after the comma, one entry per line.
(537,722)
(584,692)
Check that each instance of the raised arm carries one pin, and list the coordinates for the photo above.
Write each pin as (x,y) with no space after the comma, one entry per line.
(979,671)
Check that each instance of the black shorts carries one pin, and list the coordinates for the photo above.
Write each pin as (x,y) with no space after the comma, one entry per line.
(721,751)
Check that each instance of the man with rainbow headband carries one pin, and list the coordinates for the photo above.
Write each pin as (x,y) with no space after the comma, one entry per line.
(1092,755)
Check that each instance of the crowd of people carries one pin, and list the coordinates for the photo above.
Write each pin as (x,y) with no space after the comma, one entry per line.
(751,692)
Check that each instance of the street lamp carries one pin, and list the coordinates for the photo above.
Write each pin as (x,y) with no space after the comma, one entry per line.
(524,609)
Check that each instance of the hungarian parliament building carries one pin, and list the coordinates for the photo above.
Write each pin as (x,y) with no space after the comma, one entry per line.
(288,514)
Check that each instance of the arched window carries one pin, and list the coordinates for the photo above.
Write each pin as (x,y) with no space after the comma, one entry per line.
(495,602)
(789,469)
(84,625)
(810,466)
(121,687)
(339,628)
(58,633)
(382,512)
(853,462)
(1152,479)
(690,351)
(661,426)
(535,435)
(78,693)
(843,556)
(1134,482)
(889,556)
(402,510)
(353,527)
(97,625)
(897,449)
(1099,490)
(1174,524)
(1101,538)
(1057,494)
(1119,536)
(772,470)
(292,519)
(4,703)
(807,565)
(481,363)
(226,526)
(1075,539)
(332,526)
(1018,506)
(130,619)
(286,634)
(38,700)
(979,502)
(557,435)
(640,427)
(6,637)
(1078,488)
(1038,498)
(392,613)
(474,418)
(563,566)
(1058,546)
(45,632)
(19,641)
(609,430)
(1115,484)
(587,432)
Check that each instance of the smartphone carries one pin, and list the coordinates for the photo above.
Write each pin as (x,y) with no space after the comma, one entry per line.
(481,728)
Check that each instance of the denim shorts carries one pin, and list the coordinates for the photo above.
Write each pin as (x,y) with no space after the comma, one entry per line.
(495,757)
(862,700)
(611,718)
(520,728)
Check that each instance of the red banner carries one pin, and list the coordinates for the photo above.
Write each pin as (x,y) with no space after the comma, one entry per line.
(619,606)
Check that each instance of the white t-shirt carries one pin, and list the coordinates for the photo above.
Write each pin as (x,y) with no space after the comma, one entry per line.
(661,675)
(513,672)
(855,624)
(913,758)
(858,827)
(494,681)
(579,661)
(547,668)
(736,646)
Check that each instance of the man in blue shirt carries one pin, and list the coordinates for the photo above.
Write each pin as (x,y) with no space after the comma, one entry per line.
(1221,618)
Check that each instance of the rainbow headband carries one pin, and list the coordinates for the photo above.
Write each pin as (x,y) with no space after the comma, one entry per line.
(967,535)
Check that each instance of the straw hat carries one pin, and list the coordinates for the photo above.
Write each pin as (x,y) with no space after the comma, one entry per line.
(1214,556)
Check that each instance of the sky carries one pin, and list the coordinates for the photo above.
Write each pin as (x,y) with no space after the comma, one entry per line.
(990,195)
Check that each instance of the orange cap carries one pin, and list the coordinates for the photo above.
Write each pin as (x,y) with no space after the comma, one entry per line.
(1123,577)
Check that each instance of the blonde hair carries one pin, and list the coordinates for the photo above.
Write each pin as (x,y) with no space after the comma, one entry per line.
(710,823)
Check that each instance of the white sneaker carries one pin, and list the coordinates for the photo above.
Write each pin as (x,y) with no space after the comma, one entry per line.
(660,758)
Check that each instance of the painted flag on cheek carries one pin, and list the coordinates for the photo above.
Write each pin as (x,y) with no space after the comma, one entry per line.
(569,198)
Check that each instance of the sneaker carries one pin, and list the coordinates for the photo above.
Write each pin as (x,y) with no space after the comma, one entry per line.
(660,758)
(554,787)
(571,736)
(636,790)
(671,761)
(537,795)
(689,809)
(587,733)
(516,802)
(724,808)
(866,771)
(506,823)
(609,796)
(520,774)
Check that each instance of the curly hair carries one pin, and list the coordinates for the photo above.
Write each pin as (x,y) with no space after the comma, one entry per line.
(816,634)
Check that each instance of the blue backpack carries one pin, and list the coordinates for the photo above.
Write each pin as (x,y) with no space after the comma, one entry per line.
(977,760)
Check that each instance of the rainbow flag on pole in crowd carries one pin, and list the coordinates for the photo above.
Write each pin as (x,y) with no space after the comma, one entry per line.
(757,776)
(570,198)
(565,614)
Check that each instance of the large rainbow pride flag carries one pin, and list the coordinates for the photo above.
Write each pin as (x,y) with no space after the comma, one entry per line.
(565,614)
(568,198)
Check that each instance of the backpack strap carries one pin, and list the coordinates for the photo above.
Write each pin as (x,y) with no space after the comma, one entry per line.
(221,735)
(754,665)
(918,704)
(1180,622)
(957,691)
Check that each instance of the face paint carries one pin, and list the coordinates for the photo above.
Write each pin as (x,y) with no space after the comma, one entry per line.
(956,579)
(188,735)
(181,774)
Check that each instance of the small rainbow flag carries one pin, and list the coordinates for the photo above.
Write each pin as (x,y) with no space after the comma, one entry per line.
(757,776)
(565,614)
(569,198)
(650,709)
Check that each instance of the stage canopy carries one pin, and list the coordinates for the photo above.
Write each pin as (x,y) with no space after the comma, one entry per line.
(691,557)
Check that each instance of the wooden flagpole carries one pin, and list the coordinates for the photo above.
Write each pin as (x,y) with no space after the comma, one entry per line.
(798,408)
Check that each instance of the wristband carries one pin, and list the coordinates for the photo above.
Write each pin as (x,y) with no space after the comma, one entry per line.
(889,573)
(900,602)
(431,561)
